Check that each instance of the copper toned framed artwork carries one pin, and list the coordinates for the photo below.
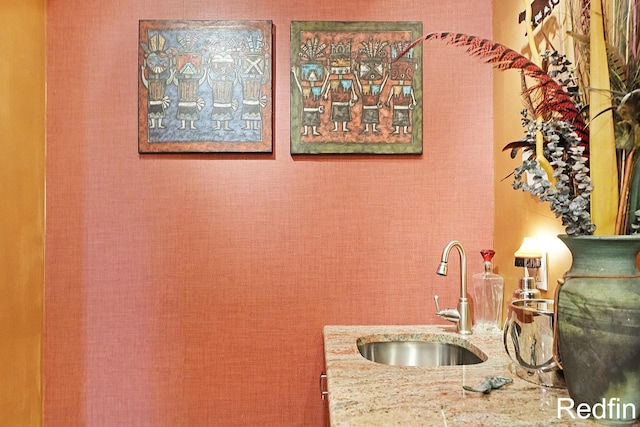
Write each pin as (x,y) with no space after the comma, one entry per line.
(205,86)
(353,90)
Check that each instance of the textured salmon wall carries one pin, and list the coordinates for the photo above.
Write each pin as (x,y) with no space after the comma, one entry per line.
(188,290)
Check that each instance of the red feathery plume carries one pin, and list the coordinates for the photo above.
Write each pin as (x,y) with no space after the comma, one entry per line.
(552,100)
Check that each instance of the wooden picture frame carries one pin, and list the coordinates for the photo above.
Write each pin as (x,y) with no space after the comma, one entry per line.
(352,91)
(205,86)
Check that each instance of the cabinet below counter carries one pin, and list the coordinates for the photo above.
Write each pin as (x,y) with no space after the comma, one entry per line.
(368,394)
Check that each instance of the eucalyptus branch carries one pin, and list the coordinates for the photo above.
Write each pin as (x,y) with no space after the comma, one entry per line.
(569,198)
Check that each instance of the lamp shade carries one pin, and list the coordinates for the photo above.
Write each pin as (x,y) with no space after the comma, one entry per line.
(529,249)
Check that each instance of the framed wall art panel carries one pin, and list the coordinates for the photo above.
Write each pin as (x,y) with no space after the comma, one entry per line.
(205,86)
(354,89)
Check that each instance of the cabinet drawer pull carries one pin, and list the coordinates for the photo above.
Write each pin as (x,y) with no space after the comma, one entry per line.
(323,386)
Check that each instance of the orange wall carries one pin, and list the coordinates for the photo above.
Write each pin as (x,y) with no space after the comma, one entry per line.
(518,214)
(191,290)
(22,160)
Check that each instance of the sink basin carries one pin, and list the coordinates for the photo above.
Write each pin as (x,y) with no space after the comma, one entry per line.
(427,351)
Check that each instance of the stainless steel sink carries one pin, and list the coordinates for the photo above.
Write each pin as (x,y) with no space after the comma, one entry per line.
(420,352)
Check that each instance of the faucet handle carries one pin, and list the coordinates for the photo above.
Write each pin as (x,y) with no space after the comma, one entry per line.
(435,298)
(450,314)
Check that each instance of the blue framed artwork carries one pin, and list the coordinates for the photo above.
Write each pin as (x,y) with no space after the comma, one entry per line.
(205,86)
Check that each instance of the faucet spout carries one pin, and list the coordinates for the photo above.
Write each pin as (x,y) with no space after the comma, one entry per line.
(462,317)
(443,269)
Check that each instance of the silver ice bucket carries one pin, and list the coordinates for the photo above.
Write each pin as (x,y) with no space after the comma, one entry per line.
(528,339)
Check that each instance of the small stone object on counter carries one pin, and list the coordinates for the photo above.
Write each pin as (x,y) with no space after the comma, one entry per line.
(489,384)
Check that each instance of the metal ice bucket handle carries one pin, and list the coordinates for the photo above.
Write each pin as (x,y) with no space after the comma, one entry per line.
(526,314)
(556,340)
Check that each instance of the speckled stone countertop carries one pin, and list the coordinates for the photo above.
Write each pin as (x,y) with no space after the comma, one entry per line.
(365,393)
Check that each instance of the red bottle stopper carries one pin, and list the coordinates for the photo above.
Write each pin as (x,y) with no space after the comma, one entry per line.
(487,254)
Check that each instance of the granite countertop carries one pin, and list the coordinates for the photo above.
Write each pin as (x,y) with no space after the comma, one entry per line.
(365,393)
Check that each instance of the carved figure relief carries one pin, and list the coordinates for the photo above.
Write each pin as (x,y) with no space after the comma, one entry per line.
(205,86)
(350,90)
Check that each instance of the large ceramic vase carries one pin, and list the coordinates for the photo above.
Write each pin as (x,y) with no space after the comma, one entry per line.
(598,321)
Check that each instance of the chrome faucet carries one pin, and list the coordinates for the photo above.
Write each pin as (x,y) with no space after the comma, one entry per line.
(462,315)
